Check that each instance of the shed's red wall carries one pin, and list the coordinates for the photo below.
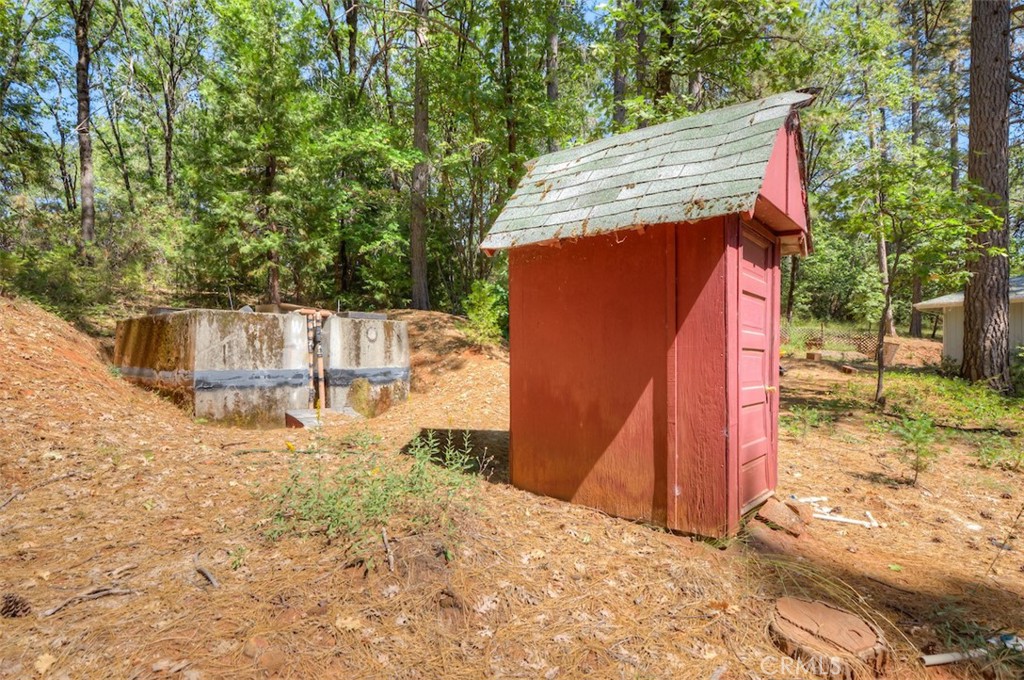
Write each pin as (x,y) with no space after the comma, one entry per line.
(782,185)
(623,380)
(701,480)
(589,342)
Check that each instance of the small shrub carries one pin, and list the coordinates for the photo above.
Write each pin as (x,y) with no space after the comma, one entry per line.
(994,450)
(1017,369)
(949,367)
(238,556)
(356,501)
(802,418)
(10,266)
(484,310)
(918,435)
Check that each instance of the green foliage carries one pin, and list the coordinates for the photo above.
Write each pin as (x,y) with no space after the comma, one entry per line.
(1017,369)
(485,313)
(918,435)
(952,401)
(355,501)
(997,450)
(238,556)
(801,419)
(10,266)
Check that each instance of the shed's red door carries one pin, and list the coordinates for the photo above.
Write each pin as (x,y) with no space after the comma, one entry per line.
(756,380)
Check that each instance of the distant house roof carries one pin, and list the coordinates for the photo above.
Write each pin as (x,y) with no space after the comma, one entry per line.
(957,299)
(703,166)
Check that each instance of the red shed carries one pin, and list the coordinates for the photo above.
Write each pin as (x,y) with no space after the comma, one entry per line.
(644,314)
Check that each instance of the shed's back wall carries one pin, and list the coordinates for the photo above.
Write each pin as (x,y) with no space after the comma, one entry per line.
(590,328)
(618,362)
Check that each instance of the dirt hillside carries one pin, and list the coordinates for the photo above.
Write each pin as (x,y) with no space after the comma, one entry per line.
(105,486)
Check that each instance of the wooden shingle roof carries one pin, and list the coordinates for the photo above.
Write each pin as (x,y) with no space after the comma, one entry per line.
(692,169)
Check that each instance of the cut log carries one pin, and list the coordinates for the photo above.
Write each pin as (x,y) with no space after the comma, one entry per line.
(847,369)
(828,641)
(814,356)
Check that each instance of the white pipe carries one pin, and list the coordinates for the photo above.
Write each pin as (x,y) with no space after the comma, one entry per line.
(951,657)
(843,520)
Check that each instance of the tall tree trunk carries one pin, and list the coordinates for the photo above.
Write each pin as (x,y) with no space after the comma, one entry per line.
(504,7)
(987,296)
(663,80)
(264,213)
(619,77)
(421,171)
(954,130)
(882,252)
(352,21)
(915,134)
(120,157)
(551,67)
(916,323)
(170,107)
(86,179)
(640,80)
(695,88)
(147,147)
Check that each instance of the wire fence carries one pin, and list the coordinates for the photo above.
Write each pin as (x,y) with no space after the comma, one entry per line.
(822,337)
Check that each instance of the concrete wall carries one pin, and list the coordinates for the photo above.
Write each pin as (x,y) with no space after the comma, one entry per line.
(246,369)
(953,330)
(158,352)
(366,362)
(249,368)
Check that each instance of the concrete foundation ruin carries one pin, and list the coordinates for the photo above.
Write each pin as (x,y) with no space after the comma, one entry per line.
(251,368)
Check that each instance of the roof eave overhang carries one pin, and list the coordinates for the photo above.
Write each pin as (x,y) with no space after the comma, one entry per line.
(930,306)
(793,238)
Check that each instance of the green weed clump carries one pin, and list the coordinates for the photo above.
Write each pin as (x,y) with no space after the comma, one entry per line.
(998,451)
(951,401)
(801,419)
(356,501)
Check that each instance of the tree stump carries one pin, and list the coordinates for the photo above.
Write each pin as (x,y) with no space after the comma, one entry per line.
(828,641)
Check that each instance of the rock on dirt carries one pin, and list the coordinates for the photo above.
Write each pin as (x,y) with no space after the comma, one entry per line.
(764,539)
(804,510)
(776,513)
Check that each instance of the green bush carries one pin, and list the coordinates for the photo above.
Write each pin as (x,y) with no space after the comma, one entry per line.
(357,500)
(10,265)
(1017,369)
(486,308)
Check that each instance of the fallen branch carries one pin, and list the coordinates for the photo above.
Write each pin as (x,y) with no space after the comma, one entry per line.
(40,485)
(204,572)
(387,550)
(94,594)
(1006,432)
